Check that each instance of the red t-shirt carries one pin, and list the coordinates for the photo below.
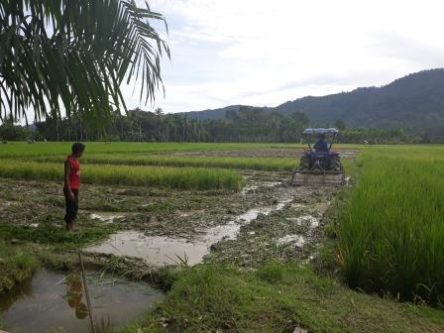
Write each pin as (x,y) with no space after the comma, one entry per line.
(74,174)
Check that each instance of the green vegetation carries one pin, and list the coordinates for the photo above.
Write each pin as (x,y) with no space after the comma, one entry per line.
(389,114)
(278,298)
(23,150)
(48,231)
(388,227)
(184,178)
(413,102)
(80,73)
(391,227)
(248,124)
(16,265)
(264,163)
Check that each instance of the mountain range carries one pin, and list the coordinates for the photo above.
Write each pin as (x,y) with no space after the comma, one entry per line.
(415,101)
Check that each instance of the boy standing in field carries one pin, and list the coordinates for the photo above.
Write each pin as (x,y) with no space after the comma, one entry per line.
(72,184)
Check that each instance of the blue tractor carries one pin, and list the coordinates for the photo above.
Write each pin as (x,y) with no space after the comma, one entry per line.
(319,164)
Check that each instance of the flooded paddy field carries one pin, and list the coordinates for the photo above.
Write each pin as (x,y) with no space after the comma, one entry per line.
(155,227)
(226,246)
(165,227)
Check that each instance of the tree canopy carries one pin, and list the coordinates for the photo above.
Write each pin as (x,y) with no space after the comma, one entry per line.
(74,55)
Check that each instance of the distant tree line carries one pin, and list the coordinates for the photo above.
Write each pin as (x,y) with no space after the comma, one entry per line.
(245,125)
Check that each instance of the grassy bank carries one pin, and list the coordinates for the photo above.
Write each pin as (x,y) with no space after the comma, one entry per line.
(278,298)
(391,228)
(17,264)
(182,178)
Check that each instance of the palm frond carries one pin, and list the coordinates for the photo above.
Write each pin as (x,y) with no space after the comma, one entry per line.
(74,55)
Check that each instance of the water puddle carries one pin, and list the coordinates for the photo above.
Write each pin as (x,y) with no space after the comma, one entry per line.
(298,205)
(161,251)
(305,220)
(107,217)
(230,230)
(257,185)
(154,250)
(54,302)
(248,189)
(297,240)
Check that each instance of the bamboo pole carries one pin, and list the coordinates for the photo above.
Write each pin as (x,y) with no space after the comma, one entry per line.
(88,300)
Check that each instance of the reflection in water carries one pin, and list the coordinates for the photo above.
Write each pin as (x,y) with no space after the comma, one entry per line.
(21,291)
(55,302)
(74,294)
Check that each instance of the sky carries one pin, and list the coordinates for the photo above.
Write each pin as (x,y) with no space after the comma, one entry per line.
(264,53)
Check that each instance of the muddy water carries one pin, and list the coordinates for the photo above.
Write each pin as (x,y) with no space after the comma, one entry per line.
(154,250)
(54,302)
(257,185)
(107,217)
(297,240)
(161,251)
(308,220)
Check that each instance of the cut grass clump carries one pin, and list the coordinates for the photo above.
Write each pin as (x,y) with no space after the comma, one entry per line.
(87,231)
(391,228)
(181,178)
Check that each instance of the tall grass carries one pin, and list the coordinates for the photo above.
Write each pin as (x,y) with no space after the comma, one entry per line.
(391,232)
(182,178)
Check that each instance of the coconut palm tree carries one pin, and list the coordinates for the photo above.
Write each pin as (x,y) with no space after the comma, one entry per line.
(72,56)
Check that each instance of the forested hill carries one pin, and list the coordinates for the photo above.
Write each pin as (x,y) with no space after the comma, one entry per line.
(408,110)
(415,101)
(217,114)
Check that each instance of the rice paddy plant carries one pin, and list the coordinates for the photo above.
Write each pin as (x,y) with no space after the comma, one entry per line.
(181,178)
(20,149)
(267,163)
(391,234)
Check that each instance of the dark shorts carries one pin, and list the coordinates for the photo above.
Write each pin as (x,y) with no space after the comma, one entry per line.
(72,206)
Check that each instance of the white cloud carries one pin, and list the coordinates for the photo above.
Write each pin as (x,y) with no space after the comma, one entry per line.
(267,52)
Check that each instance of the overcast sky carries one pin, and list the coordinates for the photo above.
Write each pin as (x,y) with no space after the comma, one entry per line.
(259,52)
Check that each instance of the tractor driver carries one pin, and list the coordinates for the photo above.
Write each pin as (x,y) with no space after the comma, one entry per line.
(321,145)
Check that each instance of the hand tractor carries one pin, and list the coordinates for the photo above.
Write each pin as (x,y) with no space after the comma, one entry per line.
(319,165)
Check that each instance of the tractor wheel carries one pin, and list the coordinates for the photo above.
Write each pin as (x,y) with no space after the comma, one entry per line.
(304,164)
(335,164)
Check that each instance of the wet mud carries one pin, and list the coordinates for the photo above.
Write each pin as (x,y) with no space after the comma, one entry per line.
(267,219)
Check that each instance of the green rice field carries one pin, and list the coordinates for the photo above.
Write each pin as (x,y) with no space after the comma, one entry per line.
(140,164)
(183,178)
(373,262)
(391,227)
(261,163)
(21,149)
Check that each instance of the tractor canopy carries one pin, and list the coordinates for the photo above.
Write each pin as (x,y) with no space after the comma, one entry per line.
(317,131)
(328,134)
